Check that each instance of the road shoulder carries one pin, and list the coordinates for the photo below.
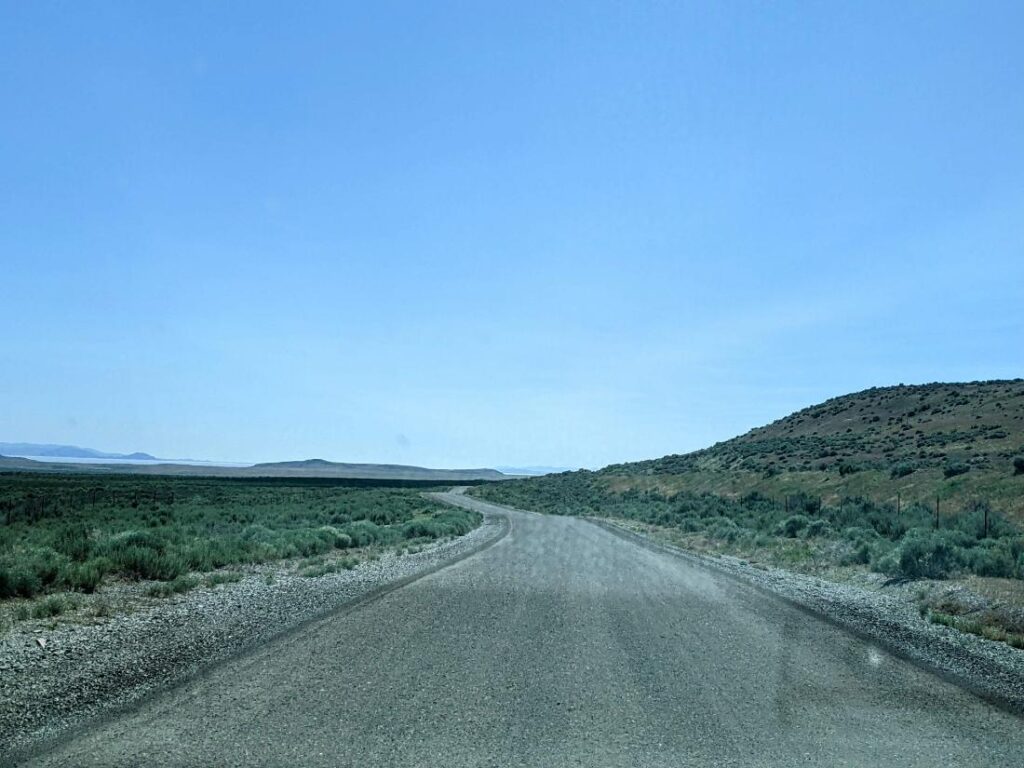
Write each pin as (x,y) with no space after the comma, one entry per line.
(993,671)
(78,675)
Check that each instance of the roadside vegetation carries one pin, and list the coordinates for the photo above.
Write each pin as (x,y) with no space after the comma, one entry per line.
(62,534)
(913,483)
(803,535)
(908,543)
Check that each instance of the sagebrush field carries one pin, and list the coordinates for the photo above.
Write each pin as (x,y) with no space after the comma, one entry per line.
(73,533)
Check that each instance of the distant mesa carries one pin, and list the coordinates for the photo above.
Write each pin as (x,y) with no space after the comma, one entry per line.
(299,464)
(323,468)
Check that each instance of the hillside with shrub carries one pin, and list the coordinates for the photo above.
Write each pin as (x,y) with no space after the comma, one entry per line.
(958,443)
(921,482)
(955,428)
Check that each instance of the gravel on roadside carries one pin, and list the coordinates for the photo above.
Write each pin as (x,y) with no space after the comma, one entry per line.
(992,670)
(78,672)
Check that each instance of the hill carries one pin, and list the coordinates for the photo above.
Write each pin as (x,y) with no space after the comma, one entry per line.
(894,445)
(979,425)
(916,443)
(14,463)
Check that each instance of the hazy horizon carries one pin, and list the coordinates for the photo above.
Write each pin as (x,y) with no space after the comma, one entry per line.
(22,451)
(476,236)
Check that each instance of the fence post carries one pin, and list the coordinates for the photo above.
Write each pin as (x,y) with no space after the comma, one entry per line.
(936,513)
(986,521)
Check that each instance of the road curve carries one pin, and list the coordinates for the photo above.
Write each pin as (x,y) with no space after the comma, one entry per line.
(561,645)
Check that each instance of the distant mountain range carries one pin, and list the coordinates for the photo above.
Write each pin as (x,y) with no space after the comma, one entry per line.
(68,452)
(12,458)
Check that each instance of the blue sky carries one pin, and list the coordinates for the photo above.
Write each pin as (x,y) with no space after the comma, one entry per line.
(464,234)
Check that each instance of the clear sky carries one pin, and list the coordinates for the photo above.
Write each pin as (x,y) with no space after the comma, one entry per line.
(466,234)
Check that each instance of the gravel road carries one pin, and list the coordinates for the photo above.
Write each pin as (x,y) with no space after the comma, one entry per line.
(560,645)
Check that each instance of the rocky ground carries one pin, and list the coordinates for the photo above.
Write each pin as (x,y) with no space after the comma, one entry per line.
(57,674)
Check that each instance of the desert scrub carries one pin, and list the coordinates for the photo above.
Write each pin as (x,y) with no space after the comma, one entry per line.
(223,577)
(73,532)
(313,570)
(51,606)
(987,627)
(102,608)
(900,541)
(177,586)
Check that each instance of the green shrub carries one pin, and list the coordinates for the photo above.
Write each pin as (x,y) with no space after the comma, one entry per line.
(315,571)
(144,539)
(144,563)
(337,539)
(18,580)
(791,527)
(85,577)
(860,555)
(902,469)
(308,543)
(223,577)
(954,468)
(858,533)
(992,561)
(174,587)
(817,528)
(1018,465)
(74,542)
(322,569)
(972,522)
(210,554)
(436,526)
(52,605)
(29,571)
(362,533)
(925,555)
(724,529)
(690,524)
